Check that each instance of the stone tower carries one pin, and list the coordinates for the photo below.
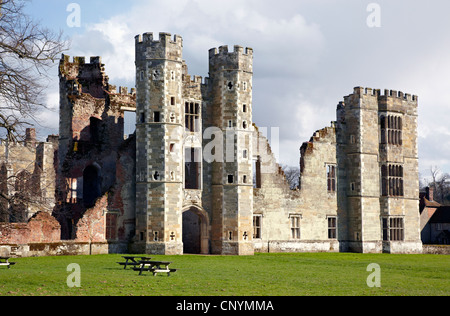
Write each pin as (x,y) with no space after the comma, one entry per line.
(232,185)
(159,130)
(186,202)
(378,171)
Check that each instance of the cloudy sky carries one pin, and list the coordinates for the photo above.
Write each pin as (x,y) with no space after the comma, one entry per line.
(308,55)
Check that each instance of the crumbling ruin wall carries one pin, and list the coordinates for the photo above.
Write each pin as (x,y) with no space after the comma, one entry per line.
(41,228)
(96,163)
(296,220)
(273,201)
(27,178)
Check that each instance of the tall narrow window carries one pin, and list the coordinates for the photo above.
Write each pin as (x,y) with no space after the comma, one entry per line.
(192,174)
(385,229)
(295,226)
(384,181)
(257,173)
(332,227)
(192,117)
(111,226)
(257,220)
(94,128)
(156,117)
(331,178)
(383,129)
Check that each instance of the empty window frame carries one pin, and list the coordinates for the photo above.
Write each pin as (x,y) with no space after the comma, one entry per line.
(94,127)
(193,168)
(257,226)
(392,180)
(331,178)
(332,227)
(157,117)
(257,183)
(295,226)
(192,117)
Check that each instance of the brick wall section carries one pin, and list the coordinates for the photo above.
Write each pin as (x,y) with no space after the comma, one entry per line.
(91,227)
(42,228)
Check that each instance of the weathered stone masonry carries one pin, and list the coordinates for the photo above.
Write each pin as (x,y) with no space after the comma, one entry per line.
(199,177)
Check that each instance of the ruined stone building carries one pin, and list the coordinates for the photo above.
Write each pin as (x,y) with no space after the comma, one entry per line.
(198,176)
(27,176)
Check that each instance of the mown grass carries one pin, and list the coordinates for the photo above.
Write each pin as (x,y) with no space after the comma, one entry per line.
(259,275)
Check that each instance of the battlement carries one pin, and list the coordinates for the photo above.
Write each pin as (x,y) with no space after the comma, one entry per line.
(112,89)
(223,51)
(164,38)
(360,91)
(79,68)
(240,58)
(165,47)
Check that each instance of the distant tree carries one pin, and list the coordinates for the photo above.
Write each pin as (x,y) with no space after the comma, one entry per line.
(27,51)
(441,183)
(292,175)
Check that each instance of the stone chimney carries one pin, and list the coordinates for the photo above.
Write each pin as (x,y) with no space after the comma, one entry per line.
(430,194)
(30,137)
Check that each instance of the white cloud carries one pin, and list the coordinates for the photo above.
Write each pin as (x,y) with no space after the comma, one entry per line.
(308,55)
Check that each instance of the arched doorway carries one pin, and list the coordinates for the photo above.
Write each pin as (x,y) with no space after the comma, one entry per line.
(195,231)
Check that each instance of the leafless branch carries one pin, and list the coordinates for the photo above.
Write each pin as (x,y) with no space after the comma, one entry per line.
(27,52)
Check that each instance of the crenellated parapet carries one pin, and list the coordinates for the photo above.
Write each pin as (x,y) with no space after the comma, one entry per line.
(360,91)
(81,77)
(381,100)
(165,47)
(240,58)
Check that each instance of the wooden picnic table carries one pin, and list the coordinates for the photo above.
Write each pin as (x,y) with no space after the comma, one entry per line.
(155,267)
(4,261)
(131,260)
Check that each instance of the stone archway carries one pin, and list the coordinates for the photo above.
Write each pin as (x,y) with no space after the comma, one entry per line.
(195,230)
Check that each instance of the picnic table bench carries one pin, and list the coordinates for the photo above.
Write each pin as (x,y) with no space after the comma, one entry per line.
(155,267)
(131,260)
(4,261)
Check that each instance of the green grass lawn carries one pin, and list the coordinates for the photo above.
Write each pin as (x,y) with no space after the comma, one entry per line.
(259,275)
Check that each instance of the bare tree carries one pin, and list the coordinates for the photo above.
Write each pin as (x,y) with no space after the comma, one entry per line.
(440,182)
(292,175)
(27,51)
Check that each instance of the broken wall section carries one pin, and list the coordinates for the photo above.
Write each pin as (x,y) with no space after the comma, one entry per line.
(274,202)
(27,178)
(96,162)
(297,220)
